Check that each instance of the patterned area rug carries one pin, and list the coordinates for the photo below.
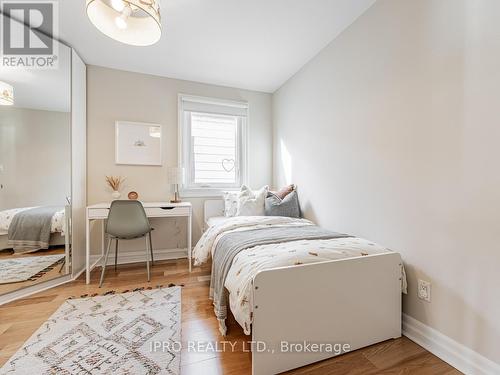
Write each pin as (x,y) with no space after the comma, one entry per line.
(111,334)
(26,268)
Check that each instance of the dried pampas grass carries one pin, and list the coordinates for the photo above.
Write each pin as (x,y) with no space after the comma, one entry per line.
(114,182)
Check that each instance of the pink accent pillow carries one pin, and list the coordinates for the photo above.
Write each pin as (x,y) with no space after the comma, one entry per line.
(284,191)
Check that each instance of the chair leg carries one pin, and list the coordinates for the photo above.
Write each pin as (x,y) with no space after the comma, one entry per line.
(151,248)
(62,265)
(116,253)
(147,258)
(105,261)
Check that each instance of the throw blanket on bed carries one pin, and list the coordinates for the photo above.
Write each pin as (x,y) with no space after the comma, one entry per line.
(30,229)
(208,241)
(232,243)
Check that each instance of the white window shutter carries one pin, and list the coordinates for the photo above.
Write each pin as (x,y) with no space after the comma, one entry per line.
(214,143)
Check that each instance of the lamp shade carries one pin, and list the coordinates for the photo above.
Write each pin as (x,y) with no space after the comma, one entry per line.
(6,94)
(134,22)
(176,175)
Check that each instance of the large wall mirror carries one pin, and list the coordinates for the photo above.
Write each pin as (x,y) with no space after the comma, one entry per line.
(35,174)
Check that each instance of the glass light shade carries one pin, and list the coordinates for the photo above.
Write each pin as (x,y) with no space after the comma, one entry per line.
(134,22)
(176,175)
(6,94)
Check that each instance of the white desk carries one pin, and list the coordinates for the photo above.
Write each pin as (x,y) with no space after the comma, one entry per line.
(100,211)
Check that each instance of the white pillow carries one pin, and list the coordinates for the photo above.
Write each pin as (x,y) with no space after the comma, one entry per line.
(230,202)
(252,203)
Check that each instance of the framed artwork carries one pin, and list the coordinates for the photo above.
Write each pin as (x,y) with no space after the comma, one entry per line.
(138,143)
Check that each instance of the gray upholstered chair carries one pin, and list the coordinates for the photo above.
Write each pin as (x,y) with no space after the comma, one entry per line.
(127,220)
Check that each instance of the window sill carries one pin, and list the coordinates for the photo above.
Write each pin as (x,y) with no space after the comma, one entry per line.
(204,193)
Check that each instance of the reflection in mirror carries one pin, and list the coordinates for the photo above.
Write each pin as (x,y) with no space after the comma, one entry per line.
(35,174)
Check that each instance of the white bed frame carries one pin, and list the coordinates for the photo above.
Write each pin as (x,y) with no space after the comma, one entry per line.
(213,208)
(352,303)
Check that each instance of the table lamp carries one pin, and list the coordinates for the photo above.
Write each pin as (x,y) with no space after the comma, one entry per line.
(176,178)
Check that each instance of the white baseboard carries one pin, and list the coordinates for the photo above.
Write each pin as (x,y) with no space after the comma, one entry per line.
(450,351)
(138,256)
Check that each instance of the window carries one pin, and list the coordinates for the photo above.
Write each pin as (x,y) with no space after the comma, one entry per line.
(213,144)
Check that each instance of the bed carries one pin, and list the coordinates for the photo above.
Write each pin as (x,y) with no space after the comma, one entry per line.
(310,295)
(57,226)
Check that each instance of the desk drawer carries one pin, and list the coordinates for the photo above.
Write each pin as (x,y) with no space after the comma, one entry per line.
(167,211)
(98,213)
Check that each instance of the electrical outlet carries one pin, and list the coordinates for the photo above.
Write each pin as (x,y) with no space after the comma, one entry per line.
(424,290)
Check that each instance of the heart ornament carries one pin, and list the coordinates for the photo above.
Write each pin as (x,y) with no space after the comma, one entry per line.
(228,164)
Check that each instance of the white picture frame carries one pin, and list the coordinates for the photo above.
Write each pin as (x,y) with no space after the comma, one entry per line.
(138,143)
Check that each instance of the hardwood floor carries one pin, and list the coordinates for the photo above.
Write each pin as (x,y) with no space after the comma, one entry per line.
(19,319)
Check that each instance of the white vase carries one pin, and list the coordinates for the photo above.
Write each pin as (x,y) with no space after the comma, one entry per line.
(116,194)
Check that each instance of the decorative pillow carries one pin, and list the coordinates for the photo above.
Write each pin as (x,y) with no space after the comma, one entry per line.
(289,206)
(251,203)
(230,202)
(284,191)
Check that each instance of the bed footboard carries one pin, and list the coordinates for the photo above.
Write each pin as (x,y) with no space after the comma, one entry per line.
(307,313)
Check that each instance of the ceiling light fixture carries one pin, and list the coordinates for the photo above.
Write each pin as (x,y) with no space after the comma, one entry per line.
(118,5)
(6,94)
(134,22)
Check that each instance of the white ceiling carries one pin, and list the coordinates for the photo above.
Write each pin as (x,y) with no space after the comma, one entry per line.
(251,44)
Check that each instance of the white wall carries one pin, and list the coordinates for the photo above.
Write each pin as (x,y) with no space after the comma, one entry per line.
(118,95)
(35,166)
(392,134)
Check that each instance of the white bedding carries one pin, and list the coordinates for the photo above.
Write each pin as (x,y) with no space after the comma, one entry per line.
(208,241)
(216,220)
(249,262)
(6,216)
